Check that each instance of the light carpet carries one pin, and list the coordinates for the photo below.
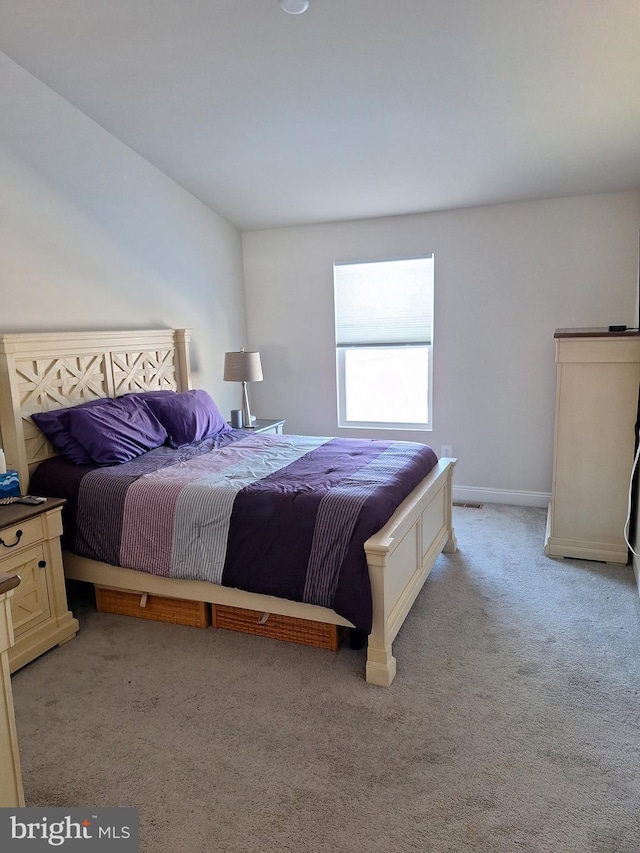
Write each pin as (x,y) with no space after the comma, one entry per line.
(513,723)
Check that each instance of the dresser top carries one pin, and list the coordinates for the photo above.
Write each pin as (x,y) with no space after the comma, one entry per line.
(595,332)
(17,513)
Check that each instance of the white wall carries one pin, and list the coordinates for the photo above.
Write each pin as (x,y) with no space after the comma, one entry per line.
(506,277)
(93,236)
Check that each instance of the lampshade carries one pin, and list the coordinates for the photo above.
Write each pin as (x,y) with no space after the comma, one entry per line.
(242,366)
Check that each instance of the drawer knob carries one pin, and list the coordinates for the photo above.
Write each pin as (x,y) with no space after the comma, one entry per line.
(42,564)
(13,544)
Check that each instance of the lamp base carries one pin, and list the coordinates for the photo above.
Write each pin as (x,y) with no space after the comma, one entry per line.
(247,417)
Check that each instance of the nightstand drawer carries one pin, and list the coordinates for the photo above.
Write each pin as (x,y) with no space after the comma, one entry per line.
(19,536)
(30,601)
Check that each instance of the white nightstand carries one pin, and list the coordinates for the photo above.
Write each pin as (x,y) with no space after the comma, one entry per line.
(260,425)
(30,547)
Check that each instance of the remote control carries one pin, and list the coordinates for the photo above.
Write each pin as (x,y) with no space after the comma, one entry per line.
(30,499)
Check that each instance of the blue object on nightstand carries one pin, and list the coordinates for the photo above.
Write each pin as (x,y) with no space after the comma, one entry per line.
(9,484)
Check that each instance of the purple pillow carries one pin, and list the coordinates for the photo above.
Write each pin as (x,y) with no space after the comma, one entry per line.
(116,432)
(187,416)
(52,425)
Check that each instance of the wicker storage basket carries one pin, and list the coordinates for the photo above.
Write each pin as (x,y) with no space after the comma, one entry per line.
(157,607)
(319,634)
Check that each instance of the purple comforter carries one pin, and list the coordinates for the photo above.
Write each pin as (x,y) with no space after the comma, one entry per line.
(276,514)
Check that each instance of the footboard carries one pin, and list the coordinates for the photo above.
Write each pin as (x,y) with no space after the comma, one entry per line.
(400,557)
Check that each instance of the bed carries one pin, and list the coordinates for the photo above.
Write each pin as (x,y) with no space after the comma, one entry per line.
(48,371)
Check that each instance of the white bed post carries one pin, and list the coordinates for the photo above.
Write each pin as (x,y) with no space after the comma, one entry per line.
(12,437)
(451,545)
(381,664)
(183,367)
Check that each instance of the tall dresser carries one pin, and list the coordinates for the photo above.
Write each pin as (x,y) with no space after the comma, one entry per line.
(598,375)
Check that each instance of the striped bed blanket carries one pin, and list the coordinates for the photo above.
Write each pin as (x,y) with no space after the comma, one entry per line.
(282,515)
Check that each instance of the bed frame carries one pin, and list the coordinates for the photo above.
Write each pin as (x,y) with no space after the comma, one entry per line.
(51,370)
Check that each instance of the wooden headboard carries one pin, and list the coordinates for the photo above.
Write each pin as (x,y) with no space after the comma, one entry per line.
(53,370)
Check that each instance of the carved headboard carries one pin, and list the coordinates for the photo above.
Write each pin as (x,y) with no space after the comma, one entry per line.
(53,370)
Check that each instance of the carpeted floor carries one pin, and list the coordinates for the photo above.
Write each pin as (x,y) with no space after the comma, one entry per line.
(513,723)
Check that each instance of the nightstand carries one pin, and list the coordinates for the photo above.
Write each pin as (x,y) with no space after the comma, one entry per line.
(30,547)
(266,426)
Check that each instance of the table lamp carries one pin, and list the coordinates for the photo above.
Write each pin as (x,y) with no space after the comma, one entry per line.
(243,367)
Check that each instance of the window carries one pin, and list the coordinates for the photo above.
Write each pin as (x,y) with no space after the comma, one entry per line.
(384,322)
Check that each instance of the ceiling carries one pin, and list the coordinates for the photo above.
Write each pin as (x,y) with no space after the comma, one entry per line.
(357,108)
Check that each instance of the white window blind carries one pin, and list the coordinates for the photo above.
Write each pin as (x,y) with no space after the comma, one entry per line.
(384,302)
(384,325)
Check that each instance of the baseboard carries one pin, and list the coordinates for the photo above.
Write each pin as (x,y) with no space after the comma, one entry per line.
(475,494)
